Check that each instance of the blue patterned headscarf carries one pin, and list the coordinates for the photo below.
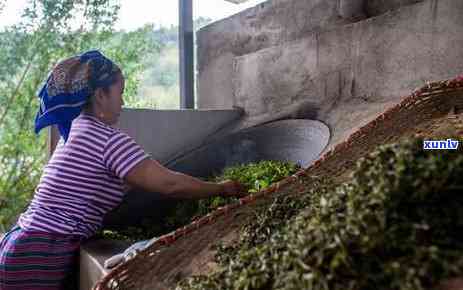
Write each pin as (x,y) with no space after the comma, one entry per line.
(69,87)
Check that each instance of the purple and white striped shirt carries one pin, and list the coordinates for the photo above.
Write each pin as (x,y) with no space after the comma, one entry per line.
(83,180)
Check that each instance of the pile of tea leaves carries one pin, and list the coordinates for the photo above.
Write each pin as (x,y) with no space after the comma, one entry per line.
(254,176)
(395,225)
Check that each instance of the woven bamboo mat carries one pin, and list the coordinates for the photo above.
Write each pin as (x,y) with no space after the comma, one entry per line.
(434,110)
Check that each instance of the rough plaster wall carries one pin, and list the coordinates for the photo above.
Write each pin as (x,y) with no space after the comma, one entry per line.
(347,75)
(271,23)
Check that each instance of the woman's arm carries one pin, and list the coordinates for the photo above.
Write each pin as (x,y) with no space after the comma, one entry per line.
(150,175)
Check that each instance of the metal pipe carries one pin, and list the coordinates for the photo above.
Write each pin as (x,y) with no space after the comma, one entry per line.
(187,99)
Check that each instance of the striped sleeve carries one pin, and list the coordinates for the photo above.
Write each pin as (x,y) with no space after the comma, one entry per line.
(121,153)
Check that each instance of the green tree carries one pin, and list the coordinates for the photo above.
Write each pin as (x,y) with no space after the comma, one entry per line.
(51,30)
(160,81)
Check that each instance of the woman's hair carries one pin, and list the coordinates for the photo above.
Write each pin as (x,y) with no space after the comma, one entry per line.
(117,74)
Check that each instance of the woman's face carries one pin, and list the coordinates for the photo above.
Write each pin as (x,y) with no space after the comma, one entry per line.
(113,101)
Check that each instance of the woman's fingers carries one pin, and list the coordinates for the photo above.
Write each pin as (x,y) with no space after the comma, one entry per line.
(234,188)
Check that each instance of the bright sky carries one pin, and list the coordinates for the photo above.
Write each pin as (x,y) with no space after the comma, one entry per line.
(135,13)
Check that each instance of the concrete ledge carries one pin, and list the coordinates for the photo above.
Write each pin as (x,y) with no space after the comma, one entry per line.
(92,256)
(166,133)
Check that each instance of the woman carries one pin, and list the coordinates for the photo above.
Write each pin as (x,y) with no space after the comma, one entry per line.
(86,176)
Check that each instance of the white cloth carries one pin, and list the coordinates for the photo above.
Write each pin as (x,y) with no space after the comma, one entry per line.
(128,254)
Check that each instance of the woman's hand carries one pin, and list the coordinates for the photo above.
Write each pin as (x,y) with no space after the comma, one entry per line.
(233,188)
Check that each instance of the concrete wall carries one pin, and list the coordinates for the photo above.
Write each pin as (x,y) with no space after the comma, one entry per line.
(166,133)
(346,75)
(270,23)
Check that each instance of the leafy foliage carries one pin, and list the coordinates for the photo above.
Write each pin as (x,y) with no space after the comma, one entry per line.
(161,76)
(28,51)
(254,176)
(395,225)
